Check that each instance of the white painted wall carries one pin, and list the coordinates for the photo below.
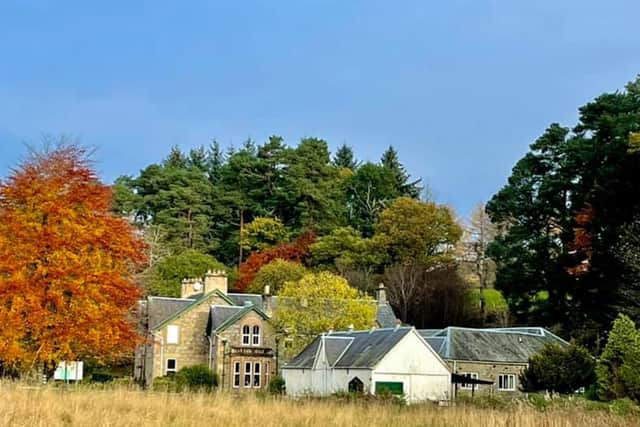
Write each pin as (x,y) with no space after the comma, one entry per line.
(414,363)
(322,382)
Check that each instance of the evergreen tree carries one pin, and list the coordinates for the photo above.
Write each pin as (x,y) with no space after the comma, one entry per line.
(344,158)
(401,179)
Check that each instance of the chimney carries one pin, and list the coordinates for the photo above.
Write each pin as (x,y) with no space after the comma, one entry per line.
(190,288)
(381,294)
(216,279)
(266,300)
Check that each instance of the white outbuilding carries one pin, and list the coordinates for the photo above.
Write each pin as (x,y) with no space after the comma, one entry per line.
(396,360)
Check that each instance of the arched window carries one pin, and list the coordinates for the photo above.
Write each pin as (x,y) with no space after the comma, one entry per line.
(246,335)
(255,338)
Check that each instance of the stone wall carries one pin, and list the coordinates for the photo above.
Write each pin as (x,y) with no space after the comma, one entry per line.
(487,371)
(193,345)
(229,350)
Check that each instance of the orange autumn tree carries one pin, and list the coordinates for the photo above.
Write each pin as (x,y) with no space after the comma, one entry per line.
(67,265)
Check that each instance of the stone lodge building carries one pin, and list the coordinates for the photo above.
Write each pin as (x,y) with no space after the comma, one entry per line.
(498,355)
(230,333)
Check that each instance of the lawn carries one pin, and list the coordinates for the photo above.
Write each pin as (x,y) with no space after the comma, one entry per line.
(49,406)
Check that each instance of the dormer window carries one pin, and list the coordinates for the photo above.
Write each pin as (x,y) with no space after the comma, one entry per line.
(255,336)
(246,335)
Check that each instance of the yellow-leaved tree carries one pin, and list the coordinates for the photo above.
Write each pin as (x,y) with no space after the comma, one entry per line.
(317,303)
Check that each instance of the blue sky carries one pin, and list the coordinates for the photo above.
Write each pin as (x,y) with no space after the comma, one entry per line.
(460,88)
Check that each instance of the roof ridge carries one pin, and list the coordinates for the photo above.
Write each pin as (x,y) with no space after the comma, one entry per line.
(171,298)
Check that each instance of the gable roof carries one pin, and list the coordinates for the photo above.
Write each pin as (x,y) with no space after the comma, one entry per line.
(192,303)
(161,308)
(350,349)
(221,316)
(504,345)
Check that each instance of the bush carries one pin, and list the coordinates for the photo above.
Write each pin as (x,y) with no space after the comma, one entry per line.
(198,377)
(192,378)
(558,369)
(277,385)
(618,370)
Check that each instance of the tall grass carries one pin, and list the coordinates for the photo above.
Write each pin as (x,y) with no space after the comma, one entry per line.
(50,406)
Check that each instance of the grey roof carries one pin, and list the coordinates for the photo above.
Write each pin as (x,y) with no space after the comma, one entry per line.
(504,345)
(350,349)
(220,314)
(385,316)
(161,308)
(255,299)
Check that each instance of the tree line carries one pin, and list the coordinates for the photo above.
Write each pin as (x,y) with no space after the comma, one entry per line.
(242,209)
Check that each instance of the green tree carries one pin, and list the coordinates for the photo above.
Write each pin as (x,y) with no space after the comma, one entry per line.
(563,208)
(263,233)
(414,231)
(166,276)
(275,275)
(320,302)
(559,369)
(401,179)
(344,158)
(346,252)
(618,368)
(368,192)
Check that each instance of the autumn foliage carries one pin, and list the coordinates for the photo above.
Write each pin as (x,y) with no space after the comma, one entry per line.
(296,250)
(66,265)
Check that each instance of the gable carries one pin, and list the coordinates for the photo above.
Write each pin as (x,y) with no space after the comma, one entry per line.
(214,296)
(412,355)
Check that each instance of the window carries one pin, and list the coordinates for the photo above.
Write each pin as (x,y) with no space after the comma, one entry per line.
(506,382)
(255,337)
(471,375)
(172,366)
(172,334)
(247,374)
(256,375)
(236,374)
(246,335)
(267,372)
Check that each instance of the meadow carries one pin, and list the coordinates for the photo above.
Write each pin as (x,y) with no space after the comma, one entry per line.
(50,406)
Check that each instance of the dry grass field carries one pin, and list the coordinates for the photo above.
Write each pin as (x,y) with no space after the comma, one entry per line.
(50,407)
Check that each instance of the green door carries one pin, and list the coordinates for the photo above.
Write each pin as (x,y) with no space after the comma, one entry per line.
(395,388)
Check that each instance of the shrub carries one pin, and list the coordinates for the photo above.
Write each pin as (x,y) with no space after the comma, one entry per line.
(558,369)
(618,370)
(198,377)
(277,385)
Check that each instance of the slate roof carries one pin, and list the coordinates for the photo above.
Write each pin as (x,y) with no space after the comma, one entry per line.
(161,308)
(219,314)
(385,316)
(501,345)
(350,349)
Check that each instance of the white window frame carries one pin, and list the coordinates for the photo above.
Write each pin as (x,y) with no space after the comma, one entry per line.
(257,374)
(236,374)
(506,377)
(246,335)
(175,366)
(255,336)
(470,375)
(248,373)
(173,334)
